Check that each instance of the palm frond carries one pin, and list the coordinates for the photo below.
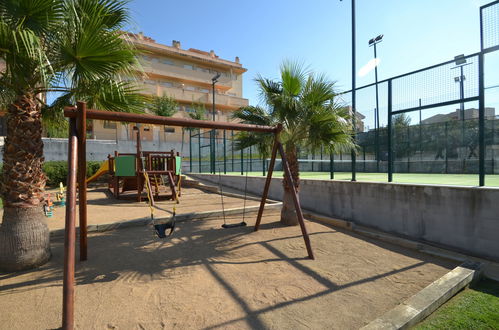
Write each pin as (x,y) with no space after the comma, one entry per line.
(253,115)
(38,16)
(112,95)
(293,76)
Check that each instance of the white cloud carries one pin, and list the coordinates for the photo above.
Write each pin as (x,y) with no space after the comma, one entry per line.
(369,67)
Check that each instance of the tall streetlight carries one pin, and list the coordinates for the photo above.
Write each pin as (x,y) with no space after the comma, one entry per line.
(214,80)
(354,124)
(373,43)
(460,62)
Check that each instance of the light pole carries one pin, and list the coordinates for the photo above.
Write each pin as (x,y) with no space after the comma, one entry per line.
(212,132)
(460,62)
(354,156)
(373,43)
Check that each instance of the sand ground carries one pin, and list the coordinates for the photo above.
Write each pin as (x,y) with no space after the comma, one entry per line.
(206,277)
(103,208)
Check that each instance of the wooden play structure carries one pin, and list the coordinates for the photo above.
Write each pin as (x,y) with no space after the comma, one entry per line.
(129,172)
(77,177)
(159,170)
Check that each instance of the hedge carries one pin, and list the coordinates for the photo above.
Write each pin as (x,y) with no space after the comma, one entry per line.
(57,171)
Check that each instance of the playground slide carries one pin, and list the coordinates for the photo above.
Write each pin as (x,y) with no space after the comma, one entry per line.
(104,168)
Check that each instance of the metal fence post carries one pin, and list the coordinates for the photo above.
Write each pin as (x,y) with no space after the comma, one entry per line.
(190,150)
(199,146)
(232,150)
(481,120)
(331,166)
(242,161)
(225,153)
(390,155)
(446,148)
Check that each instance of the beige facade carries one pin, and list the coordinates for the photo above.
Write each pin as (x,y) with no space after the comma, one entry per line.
(185,75)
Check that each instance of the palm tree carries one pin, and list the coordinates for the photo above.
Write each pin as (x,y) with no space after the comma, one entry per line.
(74,48)
(305,104)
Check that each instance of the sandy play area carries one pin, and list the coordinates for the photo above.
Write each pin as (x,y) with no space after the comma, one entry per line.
(207,277)
(103,208)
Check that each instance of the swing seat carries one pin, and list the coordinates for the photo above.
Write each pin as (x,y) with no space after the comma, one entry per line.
(161,228)
(234,225)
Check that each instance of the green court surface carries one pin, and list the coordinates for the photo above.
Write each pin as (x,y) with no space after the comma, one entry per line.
(422,178)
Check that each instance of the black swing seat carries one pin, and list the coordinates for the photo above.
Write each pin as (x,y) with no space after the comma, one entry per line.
(161,228)
(234,225)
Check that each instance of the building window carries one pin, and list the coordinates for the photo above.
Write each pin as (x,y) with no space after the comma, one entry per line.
(203,90)
(155,60)
(166,84)
(166,61)
(147,58)
(190,88)
(169,129)
(109,124)
(149,82)
(188,66)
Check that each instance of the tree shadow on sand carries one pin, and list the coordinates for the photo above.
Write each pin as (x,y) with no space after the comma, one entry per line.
(136,254)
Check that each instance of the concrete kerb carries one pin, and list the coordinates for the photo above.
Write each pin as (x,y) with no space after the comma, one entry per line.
(426,301)
(178,218)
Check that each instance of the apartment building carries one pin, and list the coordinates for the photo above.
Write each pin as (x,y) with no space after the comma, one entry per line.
(185,75)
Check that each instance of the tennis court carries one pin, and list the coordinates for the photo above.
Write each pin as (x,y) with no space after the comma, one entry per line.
(418,178)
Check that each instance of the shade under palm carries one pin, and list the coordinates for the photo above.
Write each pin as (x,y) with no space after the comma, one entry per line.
(76,49)
(305,104)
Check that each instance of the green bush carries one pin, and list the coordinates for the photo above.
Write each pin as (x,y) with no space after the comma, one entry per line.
(57,171)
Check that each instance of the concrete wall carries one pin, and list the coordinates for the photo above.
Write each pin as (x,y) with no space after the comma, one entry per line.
(462,218)
(57,149)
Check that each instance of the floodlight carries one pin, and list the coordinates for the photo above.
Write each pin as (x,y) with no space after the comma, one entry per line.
(215,78)
(459,59)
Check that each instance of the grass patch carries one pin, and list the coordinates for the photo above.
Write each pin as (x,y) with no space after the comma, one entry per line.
(473,308)
(491,180)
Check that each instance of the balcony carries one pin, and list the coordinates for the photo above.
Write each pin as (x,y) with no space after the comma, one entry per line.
(181,73)
(188,96)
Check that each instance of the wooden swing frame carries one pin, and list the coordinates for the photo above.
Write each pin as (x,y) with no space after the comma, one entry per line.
(77,177)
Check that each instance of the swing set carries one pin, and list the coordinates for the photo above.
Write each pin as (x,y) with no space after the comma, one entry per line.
(77,178)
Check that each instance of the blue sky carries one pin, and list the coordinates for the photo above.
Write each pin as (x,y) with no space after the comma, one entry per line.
(417,33)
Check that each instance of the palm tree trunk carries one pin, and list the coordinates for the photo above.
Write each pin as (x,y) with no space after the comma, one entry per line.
(24,235)
(288,212)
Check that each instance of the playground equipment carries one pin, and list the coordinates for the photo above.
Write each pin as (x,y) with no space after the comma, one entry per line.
(129,172)
(77,164)
(133,172)
(160,225)
(103,169)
